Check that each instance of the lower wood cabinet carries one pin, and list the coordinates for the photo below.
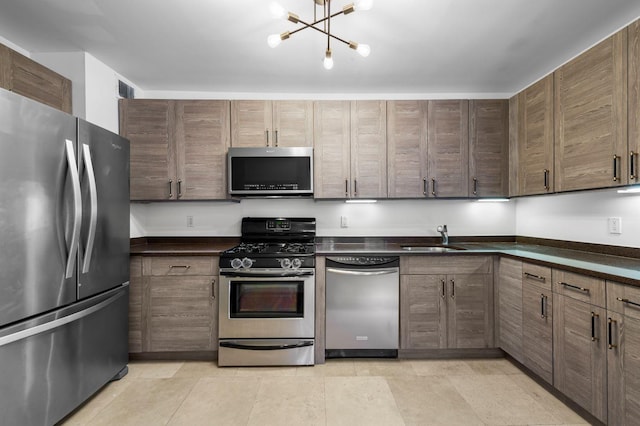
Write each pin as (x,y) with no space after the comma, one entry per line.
(623,354)
(177,304)
(509,309)
(579,340)
(537,320)
(442,309)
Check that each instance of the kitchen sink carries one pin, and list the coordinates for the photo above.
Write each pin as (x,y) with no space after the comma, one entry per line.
(432,249)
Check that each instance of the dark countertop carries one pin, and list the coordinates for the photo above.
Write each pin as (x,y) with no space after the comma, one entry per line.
(182,246)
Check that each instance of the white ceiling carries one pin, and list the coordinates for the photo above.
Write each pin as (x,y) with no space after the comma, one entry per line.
(417,46)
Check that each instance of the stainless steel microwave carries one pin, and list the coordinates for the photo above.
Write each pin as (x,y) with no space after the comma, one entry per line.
(270,171)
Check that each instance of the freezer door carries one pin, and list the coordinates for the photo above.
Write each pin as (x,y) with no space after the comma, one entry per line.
(39,208)
(103,256)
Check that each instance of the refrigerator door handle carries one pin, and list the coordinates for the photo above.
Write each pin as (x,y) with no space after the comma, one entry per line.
(77,209)
(93,197)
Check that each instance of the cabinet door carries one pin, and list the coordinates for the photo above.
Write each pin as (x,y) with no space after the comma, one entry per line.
(148,124)
(591,117)
(469,315)
(510,307)
(623,343)
(537,330)
(535,148)
(251,123)
(5,66)
(488,148)
(422,312)
(369,149)
(135,304)
(634,101)
(516,136)
(202,139)
(579,365)
(448,148)
(292,123)
(332,159)
(407,148)
(29,78)
(181,309)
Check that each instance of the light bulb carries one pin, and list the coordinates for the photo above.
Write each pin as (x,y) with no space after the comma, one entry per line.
(363,50)
(277,11)
(328,60)
(364,4)
(274,40)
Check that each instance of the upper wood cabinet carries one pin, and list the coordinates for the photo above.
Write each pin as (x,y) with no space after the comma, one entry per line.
(633,113)
(407,148)
(350,150)
(271,123)
(590,117)
(534,130)
(178,148)
(448,148)
(28,78)
(488,148)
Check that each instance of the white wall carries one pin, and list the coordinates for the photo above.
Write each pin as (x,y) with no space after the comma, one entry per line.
(580,216)
(385,218)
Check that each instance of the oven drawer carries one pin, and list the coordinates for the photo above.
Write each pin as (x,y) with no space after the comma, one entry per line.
(260,352)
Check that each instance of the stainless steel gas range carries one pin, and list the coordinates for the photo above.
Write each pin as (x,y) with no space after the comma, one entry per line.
(267,294)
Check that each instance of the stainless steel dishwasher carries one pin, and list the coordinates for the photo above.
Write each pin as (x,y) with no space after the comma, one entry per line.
(362,306)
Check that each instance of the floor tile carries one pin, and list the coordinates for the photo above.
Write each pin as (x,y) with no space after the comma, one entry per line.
(289,401)
(431,401)
(360,401)
(98,402)
(332,368)
(266,371)
(218,400)
(498,400)
(435,367)
(153,369)
(204,369)
(493,366)
(145,402)
(390,367)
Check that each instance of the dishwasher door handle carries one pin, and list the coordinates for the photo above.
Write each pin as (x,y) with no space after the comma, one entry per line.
(363,273)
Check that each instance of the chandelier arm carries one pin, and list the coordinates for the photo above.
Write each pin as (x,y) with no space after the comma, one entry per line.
(306,25)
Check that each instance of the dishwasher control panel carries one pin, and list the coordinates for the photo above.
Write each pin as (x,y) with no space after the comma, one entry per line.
(364,261)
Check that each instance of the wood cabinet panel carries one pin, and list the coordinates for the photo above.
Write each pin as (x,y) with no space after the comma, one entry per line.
(202,138)
(536,147)
(581,287)
(488,148)
(633,90)
(537,329)
(448,148)
(509,307)
(251,123)
(148,124)
(369,149)
(590,117)
(537,275)
(579,337)
(292,123)
(135,305)
(422,312)
(180,265)
(516,136)
(5,67)
(407,148)
(623,299)
(332,142)
(469,314)
(446,264)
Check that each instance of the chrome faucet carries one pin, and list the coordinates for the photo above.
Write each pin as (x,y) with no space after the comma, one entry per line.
(442,229)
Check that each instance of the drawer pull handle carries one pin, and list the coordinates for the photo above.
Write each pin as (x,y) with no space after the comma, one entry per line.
(213,289)
(543,300)
(535,277)
(593,326)
(180,266)
(453,289)
(443,293)
(575,287)
(627,301)
(611,345)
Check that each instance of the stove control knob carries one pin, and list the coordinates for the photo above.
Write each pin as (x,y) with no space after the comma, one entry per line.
(285,263)
(296,263)
(246,263)
(236,263)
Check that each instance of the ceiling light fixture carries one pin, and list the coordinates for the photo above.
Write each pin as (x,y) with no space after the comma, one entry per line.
(279,12)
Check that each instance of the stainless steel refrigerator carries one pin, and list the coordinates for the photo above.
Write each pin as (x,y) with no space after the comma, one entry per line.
(64,260)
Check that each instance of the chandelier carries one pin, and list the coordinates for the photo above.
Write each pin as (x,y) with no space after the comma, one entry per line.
(321,24)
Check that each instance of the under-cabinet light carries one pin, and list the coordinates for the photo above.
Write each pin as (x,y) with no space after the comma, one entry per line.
(361,201)
(493,200)
(631,190)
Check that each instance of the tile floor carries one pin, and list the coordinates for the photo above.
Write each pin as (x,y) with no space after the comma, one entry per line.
(341,392)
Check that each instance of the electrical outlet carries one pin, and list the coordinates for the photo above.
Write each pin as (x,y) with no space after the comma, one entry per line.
(344,222)
(189,221)
(615,225)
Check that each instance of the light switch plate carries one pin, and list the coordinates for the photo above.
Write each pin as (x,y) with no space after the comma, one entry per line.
(615,225)
(344,222)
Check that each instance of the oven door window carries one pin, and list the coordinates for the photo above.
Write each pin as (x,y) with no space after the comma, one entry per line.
(267,299)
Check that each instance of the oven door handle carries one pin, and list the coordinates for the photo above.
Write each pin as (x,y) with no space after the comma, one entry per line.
(235,345)
(248,274)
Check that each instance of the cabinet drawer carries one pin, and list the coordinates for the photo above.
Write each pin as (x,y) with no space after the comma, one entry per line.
(580,287)
(537,275)
(624,299)
(180,265)
(454,264)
